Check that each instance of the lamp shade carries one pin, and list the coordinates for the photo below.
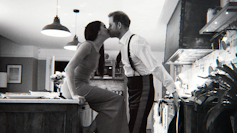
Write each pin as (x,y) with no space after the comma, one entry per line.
(3,80)
(73,44)
(56,29)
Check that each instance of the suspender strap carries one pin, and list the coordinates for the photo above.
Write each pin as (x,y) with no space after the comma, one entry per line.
(118,58)
(129,56)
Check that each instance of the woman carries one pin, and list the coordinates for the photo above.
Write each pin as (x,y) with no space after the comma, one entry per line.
(111,116)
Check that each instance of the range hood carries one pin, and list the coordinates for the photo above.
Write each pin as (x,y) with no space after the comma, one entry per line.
(187,56)
(184,44)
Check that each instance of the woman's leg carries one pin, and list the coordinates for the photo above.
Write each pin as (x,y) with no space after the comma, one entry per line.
(111,116)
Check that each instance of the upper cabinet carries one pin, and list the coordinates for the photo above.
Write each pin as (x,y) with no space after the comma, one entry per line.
(184,44)
(224,20)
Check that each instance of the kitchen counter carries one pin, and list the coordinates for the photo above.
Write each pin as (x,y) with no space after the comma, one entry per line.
(41,101)
(35,97)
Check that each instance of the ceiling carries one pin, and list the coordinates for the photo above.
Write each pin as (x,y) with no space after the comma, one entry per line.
(22,20)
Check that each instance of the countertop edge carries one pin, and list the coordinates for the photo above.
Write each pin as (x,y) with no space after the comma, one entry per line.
(41,101)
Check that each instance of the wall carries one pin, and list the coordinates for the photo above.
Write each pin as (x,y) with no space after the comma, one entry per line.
(12,54)
(33,61)
(41,75)
(9,48)
(29,73)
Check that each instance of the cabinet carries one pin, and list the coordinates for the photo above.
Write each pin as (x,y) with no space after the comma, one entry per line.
(224,20)
(184,44)
(194,121)
(40,117)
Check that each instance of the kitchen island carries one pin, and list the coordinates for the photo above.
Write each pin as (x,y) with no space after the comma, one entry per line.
(40,116)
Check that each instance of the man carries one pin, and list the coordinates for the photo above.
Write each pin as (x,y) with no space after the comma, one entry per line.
(139,66)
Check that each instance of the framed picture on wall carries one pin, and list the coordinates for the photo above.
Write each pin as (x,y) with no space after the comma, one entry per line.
(14,73)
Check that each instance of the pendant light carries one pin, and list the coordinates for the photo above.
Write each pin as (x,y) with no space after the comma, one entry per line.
(56,29)
(73,44)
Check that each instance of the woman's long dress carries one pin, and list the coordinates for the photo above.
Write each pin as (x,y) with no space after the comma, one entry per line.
(111,116)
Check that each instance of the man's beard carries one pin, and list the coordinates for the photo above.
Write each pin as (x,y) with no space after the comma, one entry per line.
(114,34)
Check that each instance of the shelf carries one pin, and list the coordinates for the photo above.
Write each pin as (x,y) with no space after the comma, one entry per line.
(226,16)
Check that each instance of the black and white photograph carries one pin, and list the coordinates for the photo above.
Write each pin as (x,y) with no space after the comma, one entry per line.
(118,66)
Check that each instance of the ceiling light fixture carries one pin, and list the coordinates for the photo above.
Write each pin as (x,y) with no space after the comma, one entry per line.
(73,44)
(56,29)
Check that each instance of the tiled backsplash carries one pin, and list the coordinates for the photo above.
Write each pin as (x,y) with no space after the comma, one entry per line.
(201,67)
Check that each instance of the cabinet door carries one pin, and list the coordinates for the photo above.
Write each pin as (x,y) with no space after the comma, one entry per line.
(32,122)
(39,118)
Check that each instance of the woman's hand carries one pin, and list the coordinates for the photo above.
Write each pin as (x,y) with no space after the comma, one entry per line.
(81,99)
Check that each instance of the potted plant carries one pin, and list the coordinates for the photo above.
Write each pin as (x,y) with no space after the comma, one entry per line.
(220,90)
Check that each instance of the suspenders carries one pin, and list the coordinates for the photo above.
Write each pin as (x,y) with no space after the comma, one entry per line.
(129,57)
(118,58)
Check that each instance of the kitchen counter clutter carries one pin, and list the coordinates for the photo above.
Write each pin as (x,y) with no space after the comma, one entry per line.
(30,95)
(35,97)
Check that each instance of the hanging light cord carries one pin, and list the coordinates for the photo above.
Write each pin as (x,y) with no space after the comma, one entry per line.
(76,11)
(76,25)
(57,8)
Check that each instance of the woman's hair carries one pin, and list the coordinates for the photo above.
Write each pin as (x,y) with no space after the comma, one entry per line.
(91,33)
(119,16)
(91,30)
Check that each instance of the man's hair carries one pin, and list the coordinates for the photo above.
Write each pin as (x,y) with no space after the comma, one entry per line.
(119,16)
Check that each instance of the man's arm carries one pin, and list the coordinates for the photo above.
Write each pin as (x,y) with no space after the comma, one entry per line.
(167,81)
(144,53)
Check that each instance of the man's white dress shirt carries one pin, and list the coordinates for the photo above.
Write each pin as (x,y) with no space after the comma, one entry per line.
(143,60)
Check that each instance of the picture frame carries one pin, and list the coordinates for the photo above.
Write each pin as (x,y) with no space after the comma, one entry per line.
(14,73)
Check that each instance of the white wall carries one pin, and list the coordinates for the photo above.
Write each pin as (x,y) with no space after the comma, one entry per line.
(60,54)
(11,49)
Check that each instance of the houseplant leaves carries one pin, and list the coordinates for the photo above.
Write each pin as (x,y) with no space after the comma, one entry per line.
(223,88)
